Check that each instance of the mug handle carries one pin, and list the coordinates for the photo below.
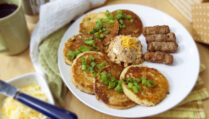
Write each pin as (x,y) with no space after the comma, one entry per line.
(2,44)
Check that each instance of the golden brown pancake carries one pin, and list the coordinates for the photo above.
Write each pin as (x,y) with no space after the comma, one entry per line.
(89,22)
(134,29)
(75,43)
(146,96)
(84,80)
(109,96)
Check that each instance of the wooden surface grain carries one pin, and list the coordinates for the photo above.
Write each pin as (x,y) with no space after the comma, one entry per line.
(12,66)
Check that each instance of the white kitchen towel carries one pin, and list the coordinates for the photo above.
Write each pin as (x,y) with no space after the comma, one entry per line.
(53,16)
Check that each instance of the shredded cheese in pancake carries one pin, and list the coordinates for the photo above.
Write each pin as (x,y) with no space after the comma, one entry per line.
(13,109)
(129,42)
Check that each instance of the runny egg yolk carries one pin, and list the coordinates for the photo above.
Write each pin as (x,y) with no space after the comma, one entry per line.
(129,42)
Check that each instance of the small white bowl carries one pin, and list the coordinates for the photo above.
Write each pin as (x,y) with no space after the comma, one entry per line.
(27,79)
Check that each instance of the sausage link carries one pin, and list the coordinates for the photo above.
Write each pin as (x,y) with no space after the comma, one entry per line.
(156,30)
(169,47)
(158,57)
(169,37)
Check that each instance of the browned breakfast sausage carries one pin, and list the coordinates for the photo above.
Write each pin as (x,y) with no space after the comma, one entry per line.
(162,46)
(158,57)
(156,30)
(169,37)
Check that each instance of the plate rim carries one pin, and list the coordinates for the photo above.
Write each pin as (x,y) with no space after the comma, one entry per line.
(116,115)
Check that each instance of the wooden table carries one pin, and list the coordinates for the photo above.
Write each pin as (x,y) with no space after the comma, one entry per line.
(12,66)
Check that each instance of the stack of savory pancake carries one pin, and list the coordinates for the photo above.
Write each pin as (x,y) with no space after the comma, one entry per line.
(105,58)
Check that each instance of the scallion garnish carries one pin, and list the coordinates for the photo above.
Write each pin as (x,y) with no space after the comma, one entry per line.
(134,84)
(131,20)
(101,36)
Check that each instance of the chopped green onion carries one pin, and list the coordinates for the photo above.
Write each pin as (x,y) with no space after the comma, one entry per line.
(91,70)
(129,80)
(111,21)
(101,65)
(83,67)
(93,64)
(130,85)
(101,36)
(119,11)
(135,83)
(138,87)
(105,20)
(103,75)
(151,83)
(137,80)
(118,88)
(135,89)
(98,27)
(107,32)
(91,58)
(100,21)
(83,61)
(99,24)
(128,16)
(111,16)
(131,20)
(121,21)
(76,52)
(111,84)
(89,42)
(112,79)
(84,48)
(104,78)
(91,37)
(143,78)
(95,29)
(96,35)
(71,54)
(119,82)
(144,81)
(107,12)
(119,16)
(123,26)
(89,32)
(120,26)
(106,82)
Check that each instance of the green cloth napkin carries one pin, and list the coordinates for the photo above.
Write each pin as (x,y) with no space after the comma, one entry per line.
(48,60)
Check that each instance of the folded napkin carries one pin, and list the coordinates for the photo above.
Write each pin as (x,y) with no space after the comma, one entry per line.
(196,11)
(200,22)
(53,16)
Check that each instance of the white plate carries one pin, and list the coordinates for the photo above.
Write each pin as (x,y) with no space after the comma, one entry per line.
(182,75)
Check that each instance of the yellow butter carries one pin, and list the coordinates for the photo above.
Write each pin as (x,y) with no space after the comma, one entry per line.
(12,109)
